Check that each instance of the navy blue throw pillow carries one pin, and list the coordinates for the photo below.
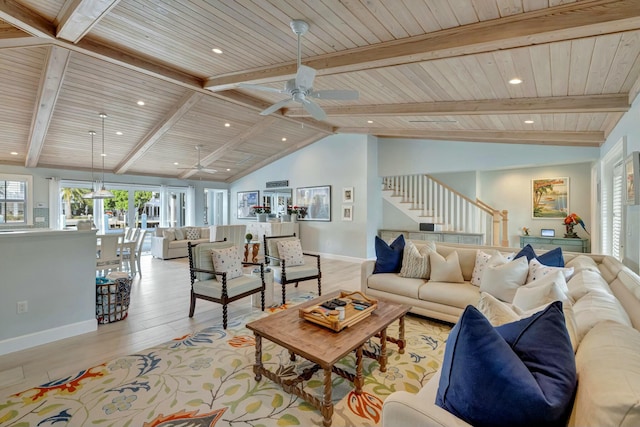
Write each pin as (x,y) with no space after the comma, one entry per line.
(552,258)
(518,375)
(389,257)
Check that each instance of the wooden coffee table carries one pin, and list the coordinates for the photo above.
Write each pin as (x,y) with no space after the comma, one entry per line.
(325,347)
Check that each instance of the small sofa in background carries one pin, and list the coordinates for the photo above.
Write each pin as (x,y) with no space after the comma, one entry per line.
(168,243)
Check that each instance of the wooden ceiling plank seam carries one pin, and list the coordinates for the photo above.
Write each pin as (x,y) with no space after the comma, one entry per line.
(488,86)
(560,60)
(524,70)
(566,22)
(604,50)
(444,14)
(486,10)
(80,16)
(166,123)
(233,142)
(529,5)
(254,167)
(378,9)
(507,68)
(626,56)
(362,34)
(407,20)
(464,12)
(363,14)
(541,63)
(20,17)
(48,91)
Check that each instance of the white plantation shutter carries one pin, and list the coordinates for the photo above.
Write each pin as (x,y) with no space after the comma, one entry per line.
(616,212)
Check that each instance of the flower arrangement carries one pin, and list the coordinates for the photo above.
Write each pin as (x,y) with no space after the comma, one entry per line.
(261,209)
(571,221)
(525,231)
(293,210)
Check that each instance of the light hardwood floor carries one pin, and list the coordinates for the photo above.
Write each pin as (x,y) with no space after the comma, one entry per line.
(158,312)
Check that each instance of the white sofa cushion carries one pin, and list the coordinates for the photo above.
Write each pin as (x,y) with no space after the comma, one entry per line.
(608,365)
(581,263)
(445,269)
(482,261)
(595,307)
(457,295)
(179,232)
(503,279)
(586,281)
(390,282)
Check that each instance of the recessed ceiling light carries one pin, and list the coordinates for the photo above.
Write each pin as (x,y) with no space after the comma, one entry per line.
(216,50)
(103,154)
(119,133)
(515,81)
(176,163)
(141,103)
(227,125)
(528,121)
(228,170)
(13,153)
(369,121)
(284,139)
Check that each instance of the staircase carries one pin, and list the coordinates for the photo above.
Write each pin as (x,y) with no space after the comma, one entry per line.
(425,199)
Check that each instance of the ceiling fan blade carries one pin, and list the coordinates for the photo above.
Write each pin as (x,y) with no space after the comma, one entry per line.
(275,107)
(262,88)
(305,76)
(343,95)
(314,109)
(206,170)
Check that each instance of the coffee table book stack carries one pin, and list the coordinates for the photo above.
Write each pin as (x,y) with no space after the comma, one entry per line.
(325,347)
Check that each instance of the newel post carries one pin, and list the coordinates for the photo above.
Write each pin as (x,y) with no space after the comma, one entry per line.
(505,228)
(495,238)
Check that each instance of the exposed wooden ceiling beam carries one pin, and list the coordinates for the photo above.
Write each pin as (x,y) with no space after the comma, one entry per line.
(77,17)
(50,85)
(256,104)
(574,139)
(565,104)
(20,42)
(565,22)
(232,143)
(295,147)
(20,17)
(171,118)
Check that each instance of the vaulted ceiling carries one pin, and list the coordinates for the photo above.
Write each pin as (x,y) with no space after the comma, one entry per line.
(432,69)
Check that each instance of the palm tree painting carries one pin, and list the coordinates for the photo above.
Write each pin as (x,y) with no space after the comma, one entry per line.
(550,198)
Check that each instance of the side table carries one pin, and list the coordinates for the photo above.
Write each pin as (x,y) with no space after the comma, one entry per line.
(268,289)
(255,248)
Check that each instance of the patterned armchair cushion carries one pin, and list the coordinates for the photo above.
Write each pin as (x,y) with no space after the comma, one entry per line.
(291,252)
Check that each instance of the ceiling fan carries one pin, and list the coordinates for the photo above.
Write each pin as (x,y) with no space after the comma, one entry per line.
(199,167)
(300,89)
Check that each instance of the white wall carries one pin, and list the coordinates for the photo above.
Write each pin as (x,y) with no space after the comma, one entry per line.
(339,161)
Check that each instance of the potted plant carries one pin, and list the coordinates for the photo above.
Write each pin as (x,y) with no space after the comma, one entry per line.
(249,237)
(261,212)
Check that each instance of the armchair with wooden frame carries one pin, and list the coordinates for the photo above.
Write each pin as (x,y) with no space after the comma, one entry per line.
(286,274)
(211,285)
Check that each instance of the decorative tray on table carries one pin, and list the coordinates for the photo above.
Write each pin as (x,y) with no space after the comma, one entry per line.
(356,305)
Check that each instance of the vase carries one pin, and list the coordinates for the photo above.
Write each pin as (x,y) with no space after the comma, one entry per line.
(262,217)
(285,218)
(294,217)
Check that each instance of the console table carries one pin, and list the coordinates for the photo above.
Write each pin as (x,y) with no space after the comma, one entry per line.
(569,245)
(436,236)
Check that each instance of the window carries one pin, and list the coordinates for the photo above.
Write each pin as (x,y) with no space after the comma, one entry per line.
(616,212)
(15,199)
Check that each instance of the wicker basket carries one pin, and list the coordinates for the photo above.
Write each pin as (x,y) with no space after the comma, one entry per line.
(112,299)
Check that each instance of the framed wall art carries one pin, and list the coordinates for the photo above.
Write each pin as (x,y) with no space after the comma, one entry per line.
(347,212)
(347,195)
(550,198)
(314,203)
(632,176)
(246,201)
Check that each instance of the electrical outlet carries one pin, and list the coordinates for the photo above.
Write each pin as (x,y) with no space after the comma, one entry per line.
(22,307)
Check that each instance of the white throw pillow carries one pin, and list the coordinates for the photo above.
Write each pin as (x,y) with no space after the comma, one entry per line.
(179,234)
(552,287)
(291,252)
(482,261)
(415,260)
(445,270)
(227,260)
(170,234)
(537,271)
(502,280)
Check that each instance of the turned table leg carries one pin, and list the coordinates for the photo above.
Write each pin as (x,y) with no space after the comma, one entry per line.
(401,342)
(327,405)
(257,367)
(359,379)
(383,350)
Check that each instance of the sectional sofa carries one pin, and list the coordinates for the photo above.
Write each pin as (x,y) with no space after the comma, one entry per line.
(605,299)
(168,243)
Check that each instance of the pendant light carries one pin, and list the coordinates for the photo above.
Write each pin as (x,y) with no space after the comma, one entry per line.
(90,194)
(103,193)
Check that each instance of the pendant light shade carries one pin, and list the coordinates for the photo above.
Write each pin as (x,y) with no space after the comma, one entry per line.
(90,194)
(102,193)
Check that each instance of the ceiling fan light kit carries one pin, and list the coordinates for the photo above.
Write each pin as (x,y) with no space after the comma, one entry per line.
(300,88)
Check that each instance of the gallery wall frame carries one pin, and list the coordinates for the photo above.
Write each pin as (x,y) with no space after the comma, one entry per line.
(347,195)
(550,198)
(315,203)
(347,212)
(246,200)
(632,178)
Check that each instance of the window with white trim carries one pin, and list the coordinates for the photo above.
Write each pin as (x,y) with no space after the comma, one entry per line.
(15,200)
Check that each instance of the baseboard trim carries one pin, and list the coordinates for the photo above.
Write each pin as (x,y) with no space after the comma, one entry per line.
(24,342)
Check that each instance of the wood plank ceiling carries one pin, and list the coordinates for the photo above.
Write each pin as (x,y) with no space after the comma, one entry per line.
(424,69)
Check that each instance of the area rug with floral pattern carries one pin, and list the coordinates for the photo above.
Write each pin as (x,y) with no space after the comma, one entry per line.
(206,379)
